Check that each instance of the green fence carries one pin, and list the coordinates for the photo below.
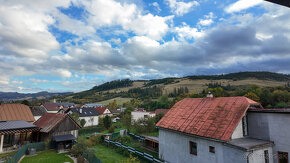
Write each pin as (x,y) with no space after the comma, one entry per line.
(22,151)
(141,155)
(89,130)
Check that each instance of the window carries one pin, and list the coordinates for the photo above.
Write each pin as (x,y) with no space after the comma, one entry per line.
(211,149)
(283,157)
(266,154)
(245,125)
(193,148)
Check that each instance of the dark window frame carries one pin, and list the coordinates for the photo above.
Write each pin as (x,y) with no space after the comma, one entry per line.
(283,154)
(266,155)
(245,125)
(211,149)
(191,146)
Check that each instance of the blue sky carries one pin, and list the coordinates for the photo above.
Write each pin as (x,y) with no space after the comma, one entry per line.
(73,45)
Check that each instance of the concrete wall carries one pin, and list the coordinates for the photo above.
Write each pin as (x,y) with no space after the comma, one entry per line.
(138,115)
(258,156)
(271,126)
(175,148)
(91,121)
(238,132)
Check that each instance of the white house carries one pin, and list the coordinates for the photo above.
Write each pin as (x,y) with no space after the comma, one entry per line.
(90,115)
(140,113)
(103,111)
(212,130)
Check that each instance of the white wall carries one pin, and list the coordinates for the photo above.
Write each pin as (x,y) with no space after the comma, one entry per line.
(36,117)
(175,148)
(258,156)
(238,132)
(138,115)
(271,126)
(91,121)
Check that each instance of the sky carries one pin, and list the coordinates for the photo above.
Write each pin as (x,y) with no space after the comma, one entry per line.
(73,45)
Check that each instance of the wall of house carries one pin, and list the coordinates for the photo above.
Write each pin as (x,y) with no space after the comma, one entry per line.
(175,148)
(91,121)
(238,132)
(258,156)
(138,115)
(271,126)
(36,117)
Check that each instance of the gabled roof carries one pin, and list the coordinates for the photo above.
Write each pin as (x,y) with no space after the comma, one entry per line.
(10,127)
(12,112)
(38,110)
(84,112)
(214,118)
(49,106)
(51,120)
(101,110)
(93,105)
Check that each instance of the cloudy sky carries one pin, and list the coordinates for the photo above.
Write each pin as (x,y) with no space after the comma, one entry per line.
(72,45)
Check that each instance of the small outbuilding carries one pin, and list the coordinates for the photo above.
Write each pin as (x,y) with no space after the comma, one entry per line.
(58,128)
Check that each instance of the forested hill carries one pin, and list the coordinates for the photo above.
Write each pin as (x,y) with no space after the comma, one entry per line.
(127,89)
(8,96)
(245,75)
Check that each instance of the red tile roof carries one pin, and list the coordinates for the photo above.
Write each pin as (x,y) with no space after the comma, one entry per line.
(214,118)
(101,109)
(51,106)
(12,112)
(50,120)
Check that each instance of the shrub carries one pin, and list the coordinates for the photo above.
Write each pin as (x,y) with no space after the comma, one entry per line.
(123,139)
(111,129)
(94,140)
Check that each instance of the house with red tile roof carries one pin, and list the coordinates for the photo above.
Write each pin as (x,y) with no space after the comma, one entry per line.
(216,130)
(103,111)
(58,128)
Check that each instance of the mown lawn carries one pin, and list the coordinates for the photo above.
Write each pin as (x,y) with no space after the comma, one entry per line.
(108,155)
(47,157)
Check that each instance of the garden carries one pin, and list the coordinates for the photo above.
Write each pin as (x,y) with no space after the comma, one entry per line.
(47,157)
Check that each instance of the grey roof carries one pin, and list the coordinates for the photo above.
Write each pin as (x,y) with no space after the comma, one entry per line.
(12,125)
(66,104)
(250,143)
(38,110)
(84,112)
(60,138)
(92,105)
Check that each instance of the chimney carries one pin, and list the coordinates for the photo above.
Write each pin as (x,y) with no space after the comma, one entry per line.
(209,94)
(81,110)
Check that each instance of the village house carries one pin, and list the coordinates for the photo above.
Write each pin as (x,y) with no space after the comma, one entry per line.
(37,111)
(60,107)
(140,113)
(103,111)
(90,115)
(15,126)
(59,128)
(92,105)
(220,130)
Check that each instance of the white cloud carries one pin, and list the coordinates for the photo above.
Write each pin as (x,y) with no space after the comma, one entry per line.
(180,8)
(157,7)
(208,20)
(73,26)
(63,73)
(149,25)
(110,12)
(17,82)
(186,32)
(242,5)
(205,22)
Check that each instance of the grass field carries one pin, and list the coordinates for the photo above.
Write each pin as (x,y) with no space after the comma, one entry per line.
(119,101)
(107,155)
(47,157)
